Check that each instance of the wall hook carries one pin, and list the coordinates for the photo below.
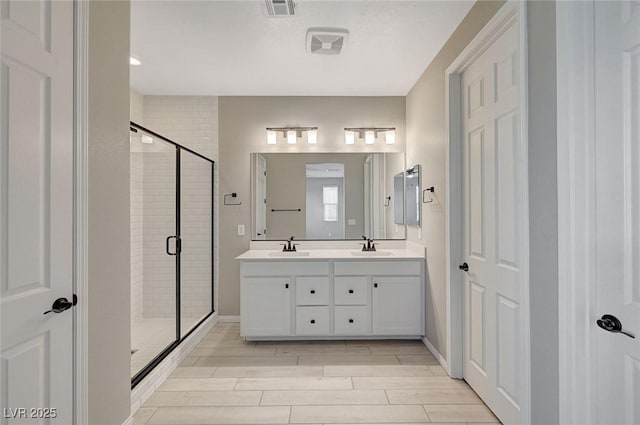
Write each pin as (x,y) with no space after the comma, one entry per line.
(233,195)
(387,201)
(429,189)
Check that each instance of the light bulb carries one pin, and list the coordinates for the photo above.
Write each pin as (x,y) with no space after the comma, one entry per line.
(369,137)
(291,137)
(391,137)
(312,137)
(349,137)
(271,137)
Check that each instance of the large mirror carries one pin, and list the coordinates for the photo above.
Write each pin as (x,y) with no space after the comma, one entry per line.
(325,196)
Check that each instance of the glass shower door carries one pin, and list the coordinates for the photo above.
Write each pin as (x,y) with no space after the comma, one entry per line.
(153,177)
(196,231)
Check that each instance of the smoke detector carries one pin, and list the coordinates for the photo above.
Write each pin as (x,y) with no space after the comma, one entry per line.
(280,7)
(326,41)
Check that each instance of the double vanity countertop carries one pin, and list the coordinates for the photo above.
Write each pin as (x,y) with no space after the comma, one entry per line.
(331,254)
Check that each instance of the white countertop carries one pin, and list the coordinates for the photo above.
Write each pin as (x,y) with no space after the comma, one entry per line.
(331,254)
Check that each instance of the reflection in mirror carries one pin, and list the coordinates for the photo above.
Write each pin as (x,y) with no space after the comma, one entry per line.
(413,196)
(398,194)
(320,196)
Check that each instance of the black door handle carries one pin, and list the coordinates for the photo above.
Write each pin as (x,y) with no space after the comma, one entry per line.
(464,267)
(62,304)
(611,323)
(178,245)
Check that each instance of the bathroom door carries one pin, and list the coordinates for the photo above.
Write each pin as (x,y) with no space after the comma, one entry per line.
(36,211)
(617,203)
(492,223)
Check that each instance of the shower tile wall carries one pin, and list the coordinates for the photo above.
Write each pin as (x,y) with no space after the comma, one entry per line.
(193,122)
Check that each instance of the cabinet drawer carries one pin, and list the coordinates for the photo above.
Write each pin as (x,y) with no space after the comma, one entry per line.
(351,290)
(352,320)
(379,268)
(284,268)
(312,290)
(312,320)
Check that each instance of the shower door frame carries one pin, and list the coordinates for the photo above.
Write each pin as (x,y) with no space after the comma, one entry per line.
(140,375)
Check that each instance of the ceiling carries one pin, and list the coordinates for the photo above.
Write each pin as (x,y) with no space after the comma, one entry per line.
(233,47)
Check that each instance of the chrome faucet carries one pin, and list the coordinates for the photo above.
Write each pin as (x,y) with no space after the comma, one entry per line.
(369,246)
(289,246)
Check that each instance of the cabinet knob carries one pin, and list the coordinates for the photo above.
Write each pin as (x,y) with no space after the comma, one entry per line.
(375,285)
(286,285)
(313,321)
(313,291)
(350,320)
(351,291)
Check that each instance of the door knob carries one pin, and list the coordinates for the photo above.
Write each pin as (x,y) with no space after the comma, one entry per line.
(611,324)
(62,304)
(464,267)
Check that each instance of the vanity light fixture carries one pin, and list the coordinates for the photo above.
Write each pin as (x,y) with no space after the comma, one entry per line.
(349,137)
(292,134)
(370,134)
(271,137)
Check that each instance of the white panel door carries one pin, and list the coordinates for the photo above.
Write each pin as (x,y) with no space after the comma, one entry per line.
(491,222)
(36,206)
(617,171)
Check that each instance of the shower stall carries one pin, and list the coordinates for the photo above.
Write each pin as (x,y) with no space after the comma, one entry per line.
(171,246)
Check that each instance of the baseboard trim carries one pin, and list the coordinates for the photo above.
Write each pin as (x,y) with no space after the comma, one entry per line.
(151,382)
(436,353)
(228,319)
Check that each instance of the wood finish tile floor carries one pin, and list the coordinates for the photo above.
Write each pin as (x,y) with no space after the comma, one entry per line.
(229,381)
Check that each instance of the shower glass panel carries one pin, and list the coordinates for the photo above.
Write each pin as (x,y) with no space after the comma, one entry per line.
(153,181)
(196,230)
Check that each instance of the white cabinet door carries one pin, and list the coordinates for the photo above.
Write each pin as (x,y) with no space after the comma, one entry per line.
(397,306)
(266,306)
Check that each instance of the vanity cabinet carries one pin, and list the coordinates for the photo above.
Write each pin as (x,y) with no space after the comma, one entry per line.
(333,299)
(268,302)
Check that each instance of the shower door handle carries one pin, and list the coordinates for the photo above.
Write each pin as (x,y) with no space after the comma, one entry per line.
(178,245)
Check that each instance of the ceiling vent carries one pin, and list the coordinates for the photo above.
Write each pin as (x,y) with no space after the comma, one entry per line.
(326,41)
(280,7)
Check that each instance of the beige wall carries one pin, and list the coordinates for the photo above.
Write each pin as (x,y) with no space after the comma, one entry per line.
(426,145)
(108,252)
(243,121)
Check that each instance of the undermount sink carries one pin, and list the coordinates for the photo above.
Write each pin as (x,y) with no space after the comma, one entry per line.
(371,253)
(289,254)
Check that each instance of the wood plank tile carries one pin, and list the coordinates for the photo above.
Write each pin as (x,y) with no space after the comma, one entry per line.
(316,360)
(358,414)
(422,382)
(198,384)
(204,398)
(221,415)
(433,396)
(427,359)
(268,371)
(143,415)
(229,352)
(323,397)
(193,372)
(297,383)
(378,370)
(322,349)
(459,413)
(247,361)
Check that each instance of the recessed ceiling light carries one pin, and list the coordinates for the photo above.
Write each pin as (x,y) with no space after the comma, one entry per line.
(134,61)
